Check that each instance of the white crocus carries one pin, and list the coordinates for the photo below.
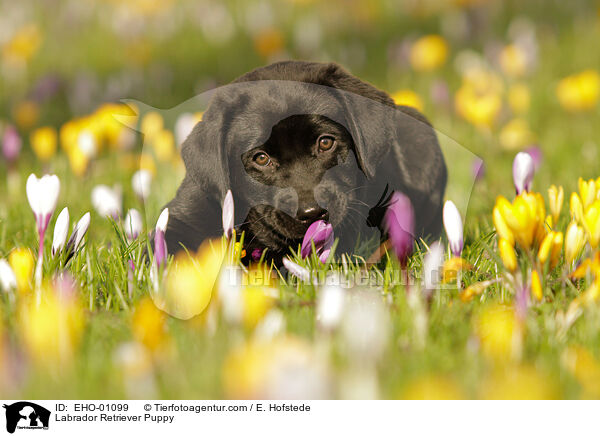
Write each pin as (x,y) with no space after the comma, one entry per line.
(8,280)
(454,228)
(140,183)
(133,224)
(107,201)
(79,232)
(432,267)
(42,195)
(184,126)
(296,270)
(330,306)
(61,230)
(523,171)
(228,214)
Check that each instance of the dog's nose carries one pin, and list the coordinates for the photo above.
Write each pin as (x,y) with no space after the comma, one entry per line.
(312,213)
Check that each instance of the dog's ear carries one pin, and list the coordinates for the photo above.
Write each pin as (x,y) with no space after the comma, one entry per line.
(204,153)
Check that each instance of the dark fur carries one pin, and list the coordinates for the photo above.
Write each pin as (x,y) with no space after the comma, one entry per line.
(380,148)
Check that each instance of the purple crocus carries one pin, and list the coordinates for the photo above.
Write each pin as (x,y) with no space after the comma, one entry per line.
(400,224)
(160,243)
(11,144)
(321,234)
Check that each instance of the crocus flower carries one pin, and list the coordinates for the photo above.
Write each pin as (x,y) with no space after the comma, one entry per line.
(107,201)
(454,228)
(8,279)
(79,232)
(160,243)
(61,230)
(43,141)
(556,197)
(228,214)
(400,224)
(11,144)
(42,195)
(523,170)
(133,224)
(140,183)
(321,234)
(296,270)
(330,306)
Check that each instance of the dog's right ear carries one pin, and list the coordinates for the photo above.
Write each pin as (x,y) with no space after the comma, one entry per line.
(204,154)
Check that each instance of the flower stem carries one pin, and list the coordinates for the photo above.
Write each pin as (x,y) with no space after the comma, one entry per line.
(38,269)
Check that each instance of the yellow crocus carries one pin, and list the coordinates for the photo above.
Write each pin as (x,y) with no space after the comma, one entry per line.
(452,267)
(22,262)
(525,218)
(586,369)
(556,197)
(43,142)
(574,241)
(499,332)
(148,325)
(519,383)
(588,191)
(479,104)
(189,283)
(579,92)
(501,227)
(507,254)
(536,286)
(51,330)
(406,97)
(428,53)
(576,207)
(550,248)
(591,223)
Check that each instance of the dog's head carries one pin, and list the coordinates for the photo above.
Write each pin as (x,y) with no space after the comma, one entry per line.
(305,171)
(304,147)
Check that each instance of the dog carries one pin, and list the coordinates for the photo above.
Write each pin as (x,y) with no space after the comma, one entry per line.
(297,142)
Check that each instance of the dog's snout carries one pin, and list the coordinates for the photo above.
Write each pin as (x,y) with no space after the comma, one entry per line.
(312,213)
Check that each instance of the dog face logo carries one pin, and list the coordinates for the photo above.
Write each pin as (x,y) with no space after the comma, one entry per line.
(26,415)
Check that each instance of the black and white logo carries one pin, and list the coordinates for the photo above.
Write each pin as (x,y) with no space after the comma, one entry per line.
(26,415)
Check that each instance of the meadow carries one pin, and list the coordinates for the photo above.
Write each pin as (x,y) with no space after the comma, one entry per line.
(505,305)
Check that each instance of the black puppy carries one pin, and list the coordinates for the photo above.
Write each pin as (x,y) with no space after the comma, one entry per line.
(297,142)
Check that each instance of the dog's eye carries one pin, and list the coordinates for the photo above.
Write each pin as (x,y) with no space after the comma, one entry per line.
(326,143)
(261,159)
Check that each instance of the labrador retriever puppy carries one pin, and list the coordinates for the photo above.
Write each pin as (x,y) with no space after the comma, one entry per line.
(298,142)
